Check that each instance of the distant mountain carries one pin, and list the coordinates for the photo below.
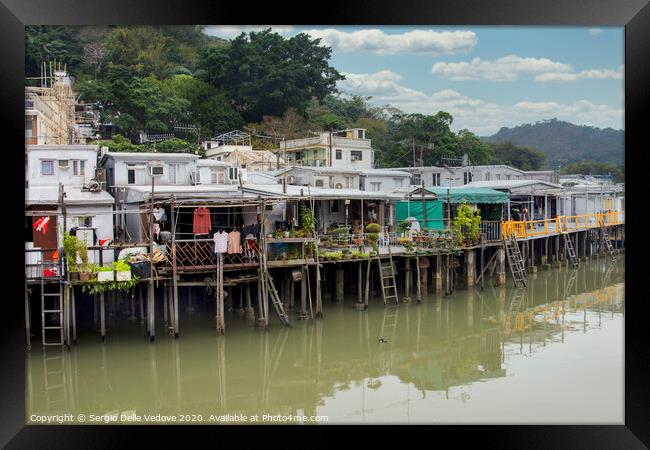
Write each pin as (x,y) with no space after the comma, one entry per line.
(564,143)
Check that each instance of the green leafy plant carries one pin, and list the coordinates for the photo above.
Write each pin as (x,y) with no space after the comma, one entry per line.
(70,246)
(122,265)
(279,234)
(404,226)
(82,250)
(373,228)
(307,220)
(97,287)
(465,226)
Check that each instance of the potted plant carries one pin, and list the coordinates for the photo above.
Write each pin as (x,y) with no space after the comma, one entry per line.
(85,270)
(404,226)
(278,234)
(105,273)
(122,270)
(70,245)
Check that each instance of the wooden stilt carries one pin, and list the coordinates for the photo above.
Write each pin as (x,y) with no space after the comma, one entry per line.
(165,304)
(419,281)
(101,317)
(28,320)
(73,311)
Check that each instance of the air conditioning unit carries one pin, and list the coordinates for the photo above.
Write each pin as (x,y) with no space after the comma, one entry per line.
(338,186)
(64,164)
(156,168)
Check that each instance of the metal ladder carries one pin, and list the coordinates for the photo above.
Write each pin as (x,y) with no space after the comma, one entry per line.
(515,261)
(387,272)
(568,245)
(54,379)
(53,308)
(608,245)
(275,298)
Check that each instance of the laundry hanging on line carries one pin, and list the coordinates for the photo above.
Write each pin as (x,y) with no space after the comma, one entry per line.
(201,223)
(234,242)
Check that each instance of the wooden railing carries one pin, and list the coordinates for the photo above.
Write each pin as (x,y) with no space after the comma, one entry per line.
(531,228)
(197,254)
(490,230)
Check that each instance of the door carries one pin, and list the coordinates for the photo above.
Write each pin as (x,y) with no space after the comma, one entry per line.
(47,240)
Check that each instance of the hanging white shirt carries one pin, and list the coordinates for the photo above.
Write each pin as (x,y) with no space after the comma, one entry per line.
(220,242)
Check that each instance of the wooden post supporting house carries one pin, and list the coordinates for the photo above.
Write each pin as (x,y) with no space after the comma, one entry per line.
(102,319)
(419,281)
(174,269)
(165,304)
(501,267)
(407,280)
(249,312)
(303,293)
(470,262)
(438,274)
(360,303)
(339,293)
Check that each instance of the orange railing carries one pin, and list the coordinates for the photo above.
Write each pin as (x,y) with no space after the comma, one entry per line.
(531,228)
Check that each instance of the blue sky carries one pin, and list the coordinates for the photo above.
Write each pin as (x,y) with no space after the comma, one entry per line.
(486,77)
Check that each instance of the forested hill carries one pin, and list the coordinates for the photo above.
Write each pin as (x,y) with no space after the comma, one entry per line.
(565,143)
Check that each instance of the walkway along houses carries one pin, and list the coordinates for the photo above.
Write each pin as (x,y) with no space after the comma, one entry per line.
(281,243)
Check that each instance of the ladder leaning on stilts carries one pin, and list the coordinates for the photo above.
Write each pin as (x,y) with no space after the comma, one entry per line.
(515,261)
(51,306)
(267,281)
(568,246)
(608,244)
(387,278)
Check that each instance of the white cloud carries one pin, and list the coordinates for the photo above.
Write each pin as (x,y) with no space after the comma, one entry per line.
(595,31)
(506,68)
(416,41)
(593,74)
(232,31)
(481,117)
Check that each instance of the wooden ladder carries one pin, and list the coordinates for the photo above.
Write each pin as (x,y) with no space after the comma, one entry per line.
(570,283)
(389,322)
(54,378)
(515,261)
(517,300)
(51,311)
(275,298)
(387,279)
(568,245)
(608,245)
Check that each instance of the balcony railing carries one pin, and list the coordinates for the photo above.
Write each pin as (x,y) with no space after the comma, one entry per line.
(533,228)
(490,230)
(198,254)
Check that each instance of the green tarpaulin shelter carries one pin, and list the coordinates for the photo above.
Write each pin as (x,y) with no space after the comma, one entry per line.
(469,195)
(435,207)
(414,209)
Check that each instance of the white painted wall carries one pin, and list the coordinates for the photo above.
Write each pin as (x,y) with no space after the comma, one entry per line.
(38,153)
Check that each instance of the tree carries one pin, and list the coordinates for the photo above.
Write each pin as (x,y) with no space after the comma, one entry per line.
(265,74)
(523,158)
(49,44)
(588,167)
(94,55)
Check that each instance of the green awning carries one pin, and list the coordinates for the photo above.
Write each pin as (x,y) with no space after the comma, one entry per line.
(414,209)
(469,195)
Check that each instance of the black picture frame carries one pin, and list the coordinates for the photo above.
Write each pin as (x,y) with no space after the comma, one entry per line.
(633,14)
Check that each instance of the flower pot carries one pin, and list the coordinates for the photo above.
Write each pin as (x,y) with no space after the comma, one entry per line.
(141,269)
(105,276)
(122,275)
(84,276)
(74,276)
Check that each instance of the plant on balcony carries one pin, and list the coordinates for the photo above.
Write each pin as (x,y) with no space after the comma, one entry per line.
(70,246)
(292,232)
(85,269)
(307,221)
(403,227)
(279,234)
(373,230)
(465,226)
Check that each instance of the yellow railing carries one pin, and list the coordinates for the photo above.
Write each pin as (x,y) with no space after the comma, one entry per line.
(531,228)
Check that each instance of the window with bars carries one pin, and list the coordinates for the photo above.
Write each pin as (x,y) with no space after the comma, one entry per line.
(78,167)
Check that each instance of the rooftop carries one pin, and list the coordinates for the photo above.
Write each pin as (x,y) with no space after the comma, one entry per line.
(49,195)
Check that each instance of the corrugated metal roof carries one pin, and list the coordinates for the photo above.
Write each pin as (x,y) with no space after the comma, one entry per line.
(49,195)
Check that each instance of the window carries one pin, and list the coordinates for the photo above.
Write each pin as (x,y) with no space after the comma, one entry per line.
(47,167)
(436,179)
(507,177)
(216,176)
(232,173)
(173,174)
(339,153)
(397,182)
(375,186)
(356,155)
(318,183)
(334,206)
(135,174)
(78,167)
(488,176)
(416,179)
(85,221)
(209,145)
(360,134)
(467,177)
(497,176)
